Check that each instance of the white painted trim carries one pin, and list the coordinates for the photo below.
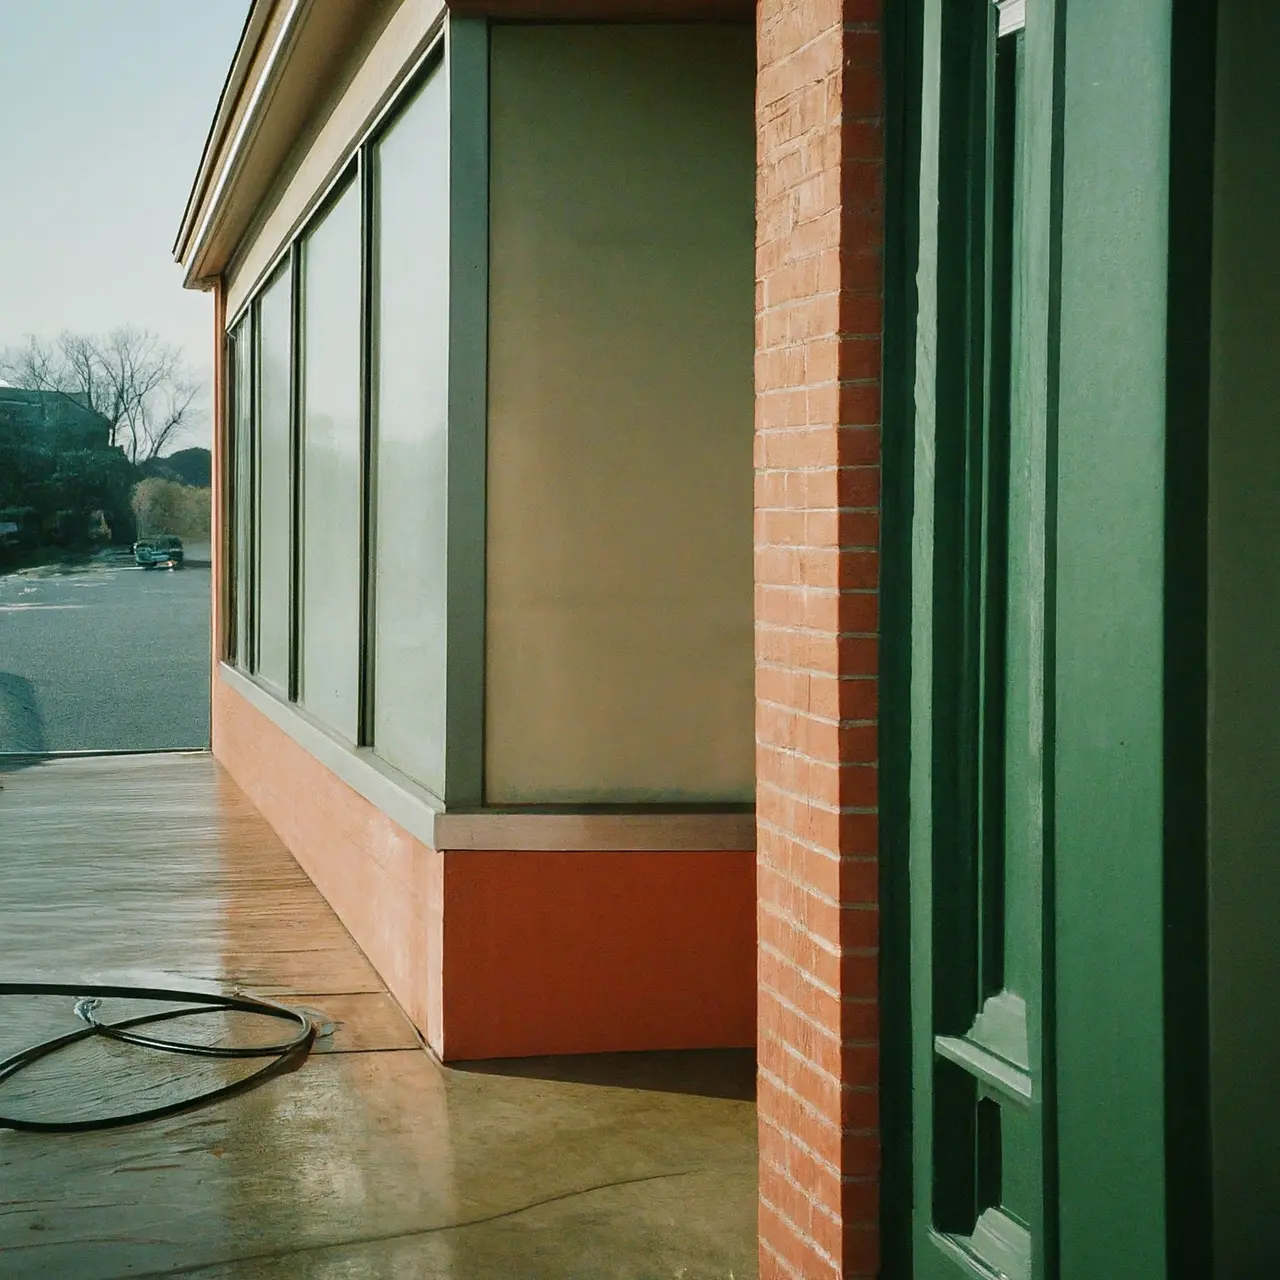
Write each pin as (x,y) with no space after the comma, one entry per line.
(421,814)
(1013,16)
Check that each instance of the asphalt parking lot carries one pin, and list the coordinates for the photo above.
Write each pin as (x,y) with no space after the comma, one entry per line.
(102,655)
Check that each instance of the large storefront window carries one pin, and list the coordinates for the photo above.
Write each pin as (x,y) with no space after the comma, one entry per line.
(275,481)
(340,521)
(331,502)
(504,464)
(410,380)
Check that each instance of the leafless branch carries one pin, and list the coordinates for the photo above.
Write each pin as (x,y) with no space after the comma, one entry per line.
(140,384)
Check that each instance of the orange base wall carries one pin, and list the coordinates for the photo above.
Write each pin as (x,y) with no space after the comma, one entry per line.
(386,887)
(598,952)
(497,954)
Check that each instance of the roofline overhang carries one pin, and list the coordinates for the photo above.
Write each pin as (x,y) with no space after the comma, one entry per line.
(257,73)
(255,21)
(224,150)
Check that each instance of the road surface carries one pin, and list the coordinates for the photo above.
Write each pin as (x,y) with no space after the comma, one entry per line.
(102,655)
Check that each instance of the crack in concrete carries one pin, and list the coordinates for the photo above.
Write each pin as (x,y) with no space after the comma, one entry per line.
(391,1236)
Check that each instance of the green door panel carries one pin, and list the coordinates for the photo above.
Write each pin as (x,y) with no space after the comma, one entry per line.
(1040,695)
(978,773)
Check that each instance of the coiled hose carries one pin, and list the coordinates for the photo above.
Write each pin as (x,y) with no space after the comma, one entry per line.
(284,1054)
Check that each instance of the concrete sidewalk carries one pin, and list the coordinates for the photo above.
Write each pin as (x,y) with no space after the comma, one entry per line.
(371,1160)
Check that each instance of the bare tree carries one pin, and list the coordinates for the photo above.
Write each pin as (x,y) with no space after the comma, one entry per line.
(142,386)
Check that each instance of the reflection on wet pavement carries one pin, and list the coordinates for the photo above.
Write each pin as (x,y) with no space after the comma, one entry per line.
(371,1160)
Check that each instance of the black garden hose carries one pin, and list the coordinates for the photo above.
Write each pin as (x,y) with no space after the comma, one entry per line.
(284,1054)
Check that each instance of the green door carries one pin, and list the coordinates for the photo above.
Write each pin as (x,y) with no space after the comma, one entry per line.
(1055,805)
(982,1096)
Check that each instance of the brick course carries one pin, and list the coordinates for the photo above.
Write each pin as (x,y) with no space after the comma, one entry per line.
(820,192)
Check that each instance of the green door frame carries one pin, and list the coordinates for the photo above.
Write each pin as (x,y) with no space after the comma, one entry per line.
(902,46)
(1125,402)
(980,746)
(1130,697)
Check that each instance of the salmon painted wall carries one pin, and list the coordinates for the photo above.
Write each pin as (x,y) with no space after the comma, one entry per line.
(496,954)
(386,887)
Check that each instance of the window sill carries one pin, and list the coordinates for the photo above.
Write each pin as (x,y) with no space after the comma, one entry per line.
(642,831)
(422,814)
(405,802)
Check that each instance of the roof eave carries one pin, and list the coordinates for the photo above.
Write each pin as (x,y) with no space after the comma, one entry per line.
(224,150)
(250,34)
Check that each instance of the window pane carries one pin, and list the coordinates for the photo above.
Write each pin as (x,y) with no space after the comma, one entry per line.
(619,569)
(242,492)
(330,655)
(411,352)
(274,482)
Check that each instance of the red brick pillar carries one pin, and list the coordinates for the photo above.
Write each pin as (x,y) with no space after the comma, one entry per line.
(820,149)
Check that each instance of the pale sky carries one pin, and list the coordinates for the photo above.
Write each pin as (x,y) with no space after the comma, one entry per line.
(104,108)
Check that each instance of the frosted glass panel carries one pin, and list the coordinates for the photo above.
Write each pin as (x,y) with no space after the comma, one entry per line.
(242,493)
(274,482)
(619,601)
(330,649)
(411,399)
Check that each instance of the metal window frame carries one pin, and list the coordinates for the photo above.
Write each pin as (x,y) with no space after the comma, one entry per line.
(295,471)
(241,650)
(226,639)
(347,177)
(241,494)
(254,456)
(432,62)
(368,445)
(283,262)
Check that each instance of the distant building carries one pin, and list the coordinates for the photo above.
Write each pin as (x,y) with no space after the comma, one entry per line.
(192,466)
(61,418)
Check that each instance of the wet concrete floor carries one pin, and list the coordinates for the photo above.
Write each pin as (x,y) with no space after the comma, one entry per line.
(370,1161)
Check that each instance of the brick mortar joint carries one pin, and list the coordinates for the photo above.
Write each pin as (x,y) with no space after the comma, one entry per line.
(800,1144)
(801,1234)
(858,859)
(794,753)
(812,802)
(840,1179)
(843,1001)
(819,1030)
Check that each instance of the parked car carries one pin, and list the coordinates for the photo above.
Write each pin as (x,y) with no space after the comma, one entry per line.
(160,549)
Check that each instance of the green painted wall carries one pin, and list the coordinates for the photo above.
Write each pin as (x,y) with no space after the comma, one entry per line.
(619,581)
(1244,623)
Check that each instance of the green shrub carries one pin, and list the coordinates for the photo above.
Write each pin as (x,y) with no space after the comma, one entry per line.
(164,506)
